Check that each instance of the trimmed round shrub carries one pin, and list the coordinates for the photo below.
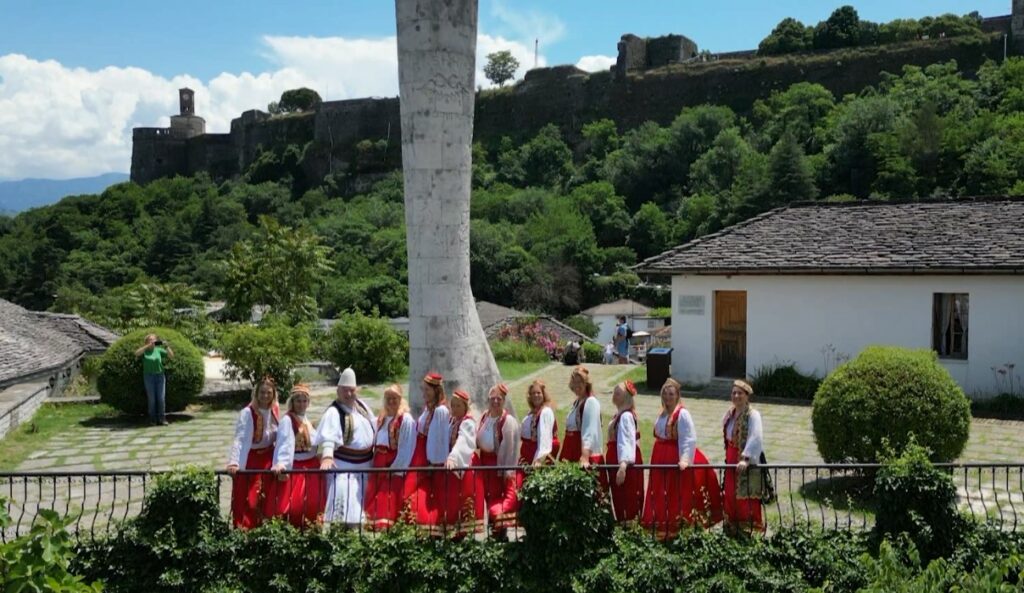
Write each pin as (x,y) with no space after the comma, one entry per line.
(120,377)
(885,395)
(374,349)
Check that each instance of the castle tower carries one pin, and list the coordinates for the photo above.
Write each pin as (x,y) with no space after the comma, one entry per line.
(1017,25)
(187,124)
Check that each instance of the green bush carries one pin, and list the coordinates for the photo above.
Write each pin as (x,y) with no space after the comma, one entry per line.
(561,508)
(518,351)
(368,344)
(594,353)
(886,394)
(583,324)
(916,499)
(272,348)
(120,377)
(40,560)
(783,380)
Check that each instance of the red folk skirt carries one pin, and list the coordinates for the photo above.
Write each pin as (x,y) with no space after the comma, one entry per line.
(675,496)
(572,449)
(742,513)
(384,491)
(301,497)
(254,496)
(439,499)
(627,499)
(496,494)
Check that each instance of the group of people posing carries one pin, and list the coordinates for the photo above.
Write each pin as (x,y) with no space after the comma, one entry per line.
(454,492)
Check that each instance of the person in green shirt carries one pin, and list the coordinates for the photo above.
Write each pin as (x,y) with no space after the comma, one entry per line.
(153,353)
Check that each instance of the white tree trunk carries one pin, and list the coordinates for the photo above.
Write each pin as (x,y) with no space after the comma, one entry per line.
(436,66)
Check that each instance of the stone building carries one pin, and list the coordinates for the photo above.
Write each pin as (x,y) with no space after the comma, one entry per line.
(40,353)
(638,54)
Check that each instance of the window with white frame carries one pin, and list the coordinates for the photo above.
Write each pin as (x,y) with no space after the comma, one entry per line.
(950,324)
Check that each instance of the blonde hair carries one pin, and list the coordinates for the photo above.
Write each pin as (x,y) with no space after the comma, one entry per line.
(268,380)
(438,390)
(670,382)
(582,374)
(629,395)
(539,384)
(297,390)
(403,407)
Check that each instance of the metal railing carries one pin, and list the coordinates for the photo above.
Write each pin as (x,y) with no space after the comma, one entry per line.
(822,496)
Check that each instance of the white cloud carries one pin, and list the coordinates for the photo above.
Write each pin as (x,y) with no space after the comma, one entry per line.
(597,63)
(60,122)
(531,25)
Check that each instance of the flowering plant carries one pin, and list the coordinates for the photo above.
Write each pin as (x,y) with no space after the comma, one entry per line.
(531,332)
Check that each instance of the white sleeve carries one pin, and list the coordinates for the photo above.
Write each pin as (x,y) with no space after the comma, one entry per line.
(544,433)
(465,445)
(508,452)
(625,439)
(239,452)
(328,432)
(687,438)
(406,443)
(284,448)
(755,439)
(590,432)
(438,440)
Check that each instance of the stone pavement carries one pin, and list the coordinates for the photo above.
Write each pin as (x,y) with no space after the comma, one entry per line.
(203,436)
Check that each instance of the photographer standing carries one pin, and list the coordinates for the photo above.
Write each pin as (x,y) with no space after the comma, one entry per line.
(153,354)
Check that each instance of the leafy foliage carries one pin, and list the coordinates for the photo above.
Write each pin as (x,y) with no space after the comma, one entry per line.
(368,344)
(301,99)
(272,348)
(583,324)
(518,351)
(39,561)
(120,376)
(501,67)
(784,380)
(883,396)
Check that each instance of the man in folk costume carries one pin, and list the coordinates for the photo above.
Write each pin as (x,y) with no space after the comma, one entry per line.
(743,434)
(346,434)
(498,442)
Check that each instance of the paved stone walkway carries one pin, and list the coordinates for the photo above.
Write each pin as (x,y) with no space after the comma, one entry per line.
(203,437)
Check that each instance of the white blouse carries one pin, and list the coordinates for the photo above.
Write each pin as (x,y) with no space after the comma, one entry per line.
(331,434)
(437,433)
(284,448)
(242,444)
(755,436)
(486,438)
(687,433)
(462,451)
(590,432)
(625,438)
(545,433)
(406,439)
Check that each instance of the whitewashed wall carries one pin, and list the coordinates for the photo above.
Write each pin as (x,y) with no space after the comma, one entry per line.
(792,318)
(607,325)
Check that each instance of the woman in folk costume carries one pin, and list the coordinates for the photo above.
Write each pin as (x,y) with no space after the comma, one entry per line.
(743,434)
(346,434)
(627,482)
(433,438)
(582,441)
(498,442)
(253,495)
(300,496)
(689,494)
(393,448)
(539,430)
(459,485)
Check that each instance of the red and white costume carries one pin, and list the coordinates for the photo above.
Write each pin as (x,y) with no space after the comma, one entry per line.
(394,444)
(300,497)
(498,444)
(624,446)
(253,495)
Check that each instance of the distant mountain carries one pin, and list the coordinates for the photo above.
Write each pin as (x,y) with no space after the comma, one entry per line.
(16,196)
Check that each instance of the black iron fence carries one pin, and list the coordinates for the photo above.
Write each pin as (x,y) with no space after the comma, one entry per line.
(823,496)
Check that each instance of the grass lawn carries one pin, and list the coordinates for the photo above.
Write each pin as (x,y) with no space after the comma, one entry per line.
(49,421)
(510,371)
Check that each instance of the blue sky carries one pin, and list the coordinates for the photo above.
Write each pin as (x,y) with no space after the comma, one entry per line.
(77,75)
(206,38)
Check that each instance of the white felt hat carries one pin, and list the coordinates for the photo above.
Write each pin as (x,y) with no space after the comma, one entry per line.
(348,378)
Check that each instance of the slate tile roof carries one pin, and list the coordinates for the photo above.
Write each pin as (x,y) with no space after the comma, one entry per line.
(32,342)
(977,235)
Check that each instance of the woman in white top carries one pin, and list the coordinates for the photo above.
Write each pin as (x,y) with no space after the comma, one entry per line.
(433,437)
(623,450)
(300,496)
(582,441)
(458,487)
(689,493)
(743,435)
(253,495)
(498,442)
(540,429)
(393,448)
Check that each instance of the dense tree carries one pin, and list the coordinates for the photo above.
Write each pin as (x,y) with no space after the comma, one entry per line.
(606,211)
(800,110)
(301,99)
(841,29)
(792,179)
(789,36)
(651,233)
(501,67)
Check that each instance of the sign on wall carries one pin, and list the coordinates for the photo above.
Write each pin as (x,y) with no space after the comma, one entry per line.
(691,304)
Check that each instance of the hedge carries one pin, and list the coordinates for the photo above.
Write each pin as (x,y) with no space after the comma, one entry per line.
(120,375)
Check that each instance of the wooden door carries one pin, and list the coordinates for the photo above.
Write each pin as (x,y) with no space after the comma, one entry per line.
(730,333)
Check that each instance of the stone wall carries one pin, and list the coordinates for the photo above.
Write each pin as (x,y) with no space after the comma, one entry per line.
(19,403)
